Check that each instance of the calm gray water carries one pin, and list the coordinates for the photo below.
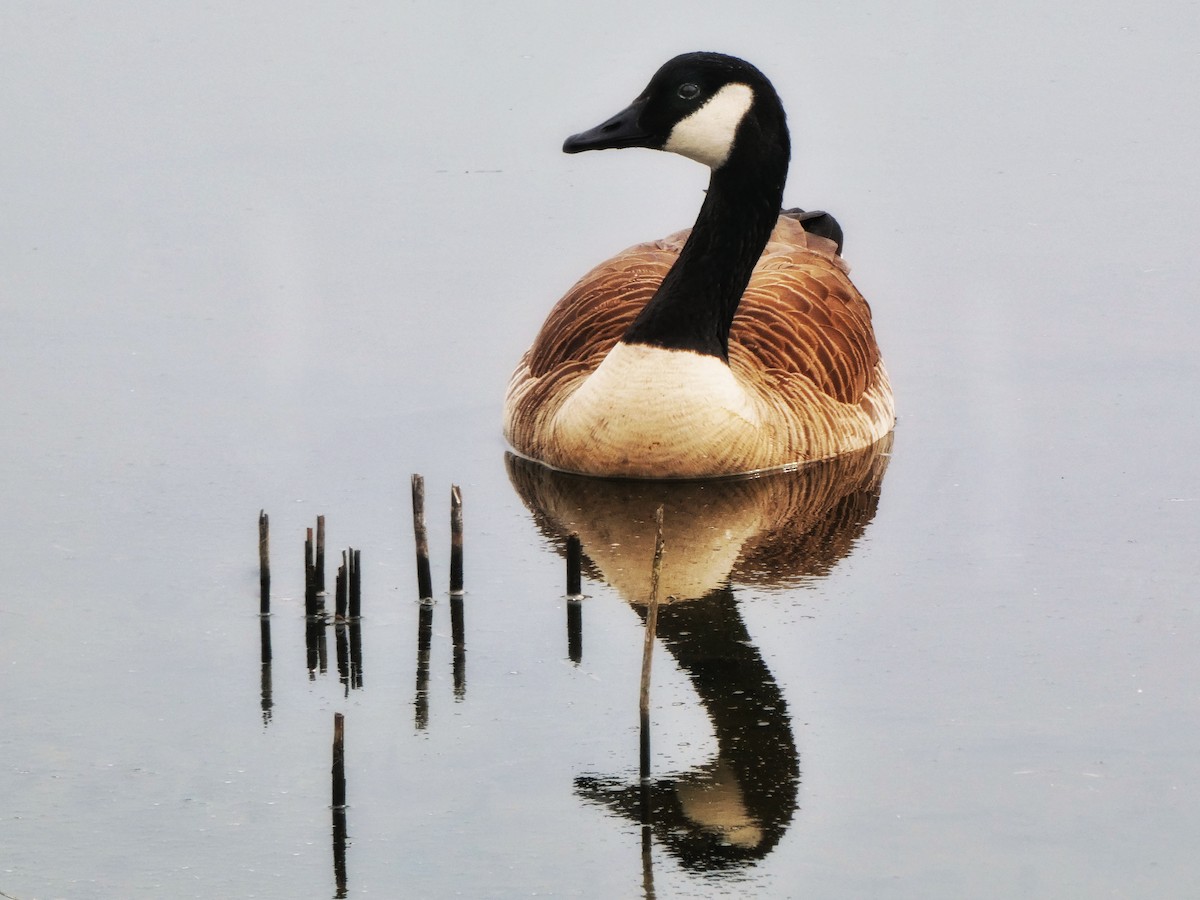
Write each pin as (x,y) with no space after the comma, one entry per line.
(278,257)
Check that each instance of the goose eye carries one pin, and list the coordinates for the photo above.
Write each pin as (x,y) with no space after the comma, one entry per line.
(689,91)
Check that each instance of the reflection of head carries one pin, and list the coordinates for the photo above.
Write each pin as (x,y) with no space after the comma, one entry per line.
(713,801)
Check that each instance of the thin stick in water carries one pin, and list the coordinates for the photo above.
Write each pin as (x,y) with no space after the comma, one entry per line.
(456,541)
(310,575)
(264,563)
(320,566)
(648,645)
(424,579)
(355,584)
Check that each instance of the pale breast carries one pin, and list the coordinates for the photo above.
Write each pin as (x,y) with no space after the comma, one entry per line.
(648,411)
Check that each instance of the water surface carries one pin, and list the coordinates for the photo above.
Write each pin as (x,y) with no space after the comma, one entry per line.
(279,258)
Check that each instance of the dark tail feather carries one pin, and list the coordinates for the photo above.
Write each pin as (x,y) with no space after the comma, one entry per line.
(819,223)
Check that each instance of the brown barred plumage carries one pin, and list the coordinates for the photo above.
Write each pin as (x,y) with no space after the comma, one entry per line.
(801,348)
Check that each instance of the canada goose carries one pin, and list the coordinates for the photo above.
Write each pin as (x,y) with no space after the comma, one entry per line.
(735,347)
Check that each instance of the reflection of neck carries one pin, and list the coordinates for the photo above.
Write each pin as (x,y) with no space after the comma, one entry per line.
(749,715)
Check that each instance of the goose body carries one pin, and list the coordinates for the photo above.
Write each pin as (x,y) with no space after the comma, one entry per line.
(737,346)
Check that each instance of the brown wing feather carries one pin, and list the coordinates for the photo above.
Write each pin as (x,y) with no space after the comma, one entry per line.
(800,314)
(808,320)
(583,326)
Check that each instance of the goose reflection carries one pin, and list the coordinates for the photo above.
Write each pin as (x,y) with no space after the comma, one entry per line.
(772,531)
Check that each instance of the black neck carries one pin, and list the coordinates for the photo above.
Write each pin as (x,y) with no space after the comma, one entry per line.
(695,304)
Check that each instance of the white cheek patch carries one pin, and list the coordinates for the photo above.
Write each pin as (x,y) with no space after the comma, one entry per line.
(707,134)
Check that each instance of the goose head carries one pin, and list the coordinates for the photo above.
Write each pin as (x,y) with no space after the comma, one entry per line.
(708,107)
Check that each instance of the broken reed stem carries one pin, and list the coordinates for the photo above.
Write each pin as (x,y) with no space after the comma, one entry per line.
(339,761)
(574,564)
(310,575)
(355,583)
(424,579)
(456,541)
(648,645)
(264,563)
(320,566)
